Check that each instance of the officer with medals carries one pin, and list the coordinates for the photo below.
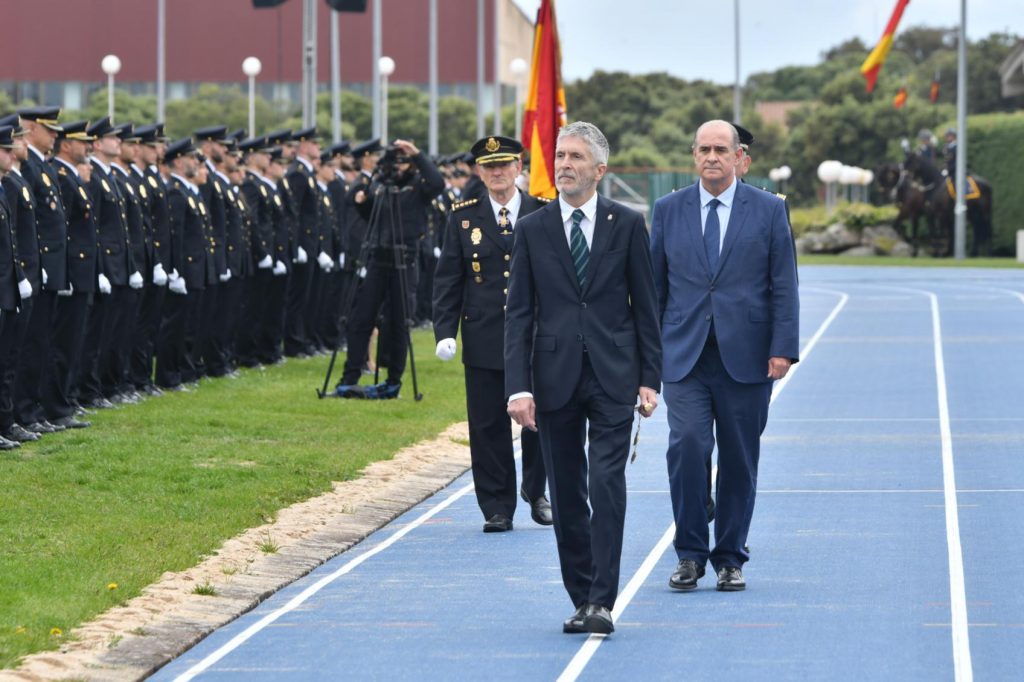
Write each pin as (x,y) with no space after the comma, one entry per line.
(470,288)
(256,188)
(307,261)
(21,202)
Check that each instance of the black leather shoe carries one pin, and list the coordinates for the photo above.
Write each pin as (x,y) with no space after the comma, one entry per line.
(540,509)
(686,576)
(730,579)
(598,620)
(20,433)
(6,444)
(499,523)
(55,427)
(99,404)
(574,623)
(40,428)
(71,423)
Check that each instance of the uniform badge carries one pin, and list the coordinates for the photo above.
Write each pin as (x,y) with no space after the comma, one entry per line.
(492,145)
(465,224)
(46,179)
(106,187)
(130,190)
(263,191)
(231,197)
(142,191)
(28,197)
(192,203)
(476,267)
(285,181)
(152,182)
(81,190)
(476,236)
(217,187)
(277,199)
(311,184)
(202,208)
(327,202)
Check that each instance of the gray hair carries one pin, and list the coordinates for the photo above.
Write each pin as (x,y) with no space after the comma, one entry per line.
(589,133)
(715,122)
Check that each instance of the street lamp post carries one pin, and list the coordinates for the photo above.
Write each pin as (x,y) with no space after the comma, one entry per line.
(518,68)
(828,172)
(111,64)
(251,67)
(387,67)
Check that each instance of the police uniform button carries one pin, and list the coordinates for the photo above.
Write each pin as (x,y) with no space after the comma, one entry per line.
(212,250)
(156,243)
(506,274)
(476,255)
(508,257)
(108,252)
(190,259)
(46,249)
(707,318)
(81,255)
(505,291)
(230,247)
(22,263)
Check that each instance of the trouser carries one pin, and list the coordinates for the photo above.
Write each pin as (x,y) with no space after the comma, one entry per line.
(147,332)
(273,319)
(210,354)
(296,336)
(117,359)
(12,338)
(34,362)
(171,360)
(250,327)
(70,323)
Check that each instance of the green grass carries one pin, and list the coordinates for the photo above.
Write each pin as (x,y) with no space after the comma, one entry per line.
(159,486)
(921,262)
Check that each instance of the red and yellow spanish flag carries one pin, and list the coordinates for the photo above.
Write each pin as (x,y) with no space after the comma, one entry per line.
(873,63)
(545,103)
(900,99)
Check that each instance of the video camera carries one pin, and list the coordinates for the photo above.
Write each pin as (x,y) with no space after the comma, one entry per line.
(387,168)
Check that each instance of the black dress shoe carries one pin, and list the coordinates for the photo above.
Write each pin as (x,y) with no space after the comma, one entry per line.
(99,404)
(71,423)
(40,427)
(598,620)
(6,444)
(730,579)
(574,623)
(540,509)
(55,427)
(20,433)
(688,572)
(499,523)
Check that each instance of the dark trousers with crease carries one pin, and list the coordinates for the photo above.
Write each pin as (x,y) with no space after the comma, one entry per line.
(146,332)
(300,284)
(12,338)
(589,543)
(490,446)
(34,361)
(708,402)
(71,319)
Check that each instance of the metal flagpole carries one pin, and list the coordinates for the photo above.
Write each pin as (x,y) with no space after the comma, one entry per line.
(161,47)
(432,132)
(309,106)
(497,67)
(960,211)
(375,85)
(335,79)
(736,87)
(479,68)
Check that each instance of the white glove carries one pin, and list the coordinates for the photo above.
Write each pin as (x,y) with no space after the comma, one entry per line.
(159,275)
(437,252)
(325,262)
(226,276)
(362,272)
(445,349)
(300,256)
(266,263)
(65,292)
(44,275)
(341,259)
(135,280)
(176,285)
(104,283)
(25,289)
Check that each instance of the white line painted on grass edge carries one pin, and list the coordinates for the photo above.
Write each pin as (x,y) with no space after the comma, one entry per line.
(589,647)
(962,670)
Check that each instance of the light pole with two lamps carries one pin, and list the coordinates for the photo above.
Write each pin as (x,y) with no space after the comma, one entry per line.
(111,64)
(251,67)
(387,67)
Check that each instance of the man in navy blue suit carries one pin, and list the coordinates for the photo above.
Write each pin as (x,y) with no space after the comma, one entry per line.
(727,293)
(581,345)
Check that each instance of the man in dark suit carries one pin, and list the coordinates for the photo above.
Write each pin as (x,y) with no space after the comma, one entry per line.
(727,294)
(471,285)
(581,344)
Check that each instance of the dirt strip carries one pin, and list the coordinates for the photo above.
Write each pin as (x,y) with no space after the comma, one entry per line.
(132,641)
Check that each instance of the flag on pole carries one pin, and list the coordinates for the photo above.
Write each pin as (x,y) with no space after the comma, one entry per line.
(900,99)
(873,64)
(545,103)
(933,93)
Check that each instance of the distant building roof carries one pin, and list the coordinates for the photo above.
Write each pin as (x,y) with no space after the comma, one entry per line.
(777,111)
(1011,71)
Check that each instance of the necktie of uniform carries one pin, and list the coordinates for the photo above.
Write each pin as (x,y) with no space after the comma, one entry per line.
(712,234)
(578,247)
(505,224)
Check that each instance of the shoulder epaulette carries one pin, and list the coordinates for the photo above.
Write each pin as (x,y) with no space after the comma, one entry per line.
(464,204)
(780,195)
(544,200)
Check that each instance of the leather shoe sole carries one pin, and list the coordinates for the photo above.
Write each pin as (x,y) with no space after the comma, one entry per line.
(498,524)
(598,620)
(688,582)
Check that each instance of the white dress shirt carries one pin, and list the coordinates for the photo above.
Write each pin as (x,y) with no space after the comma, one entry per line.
(513,208)
(587,224)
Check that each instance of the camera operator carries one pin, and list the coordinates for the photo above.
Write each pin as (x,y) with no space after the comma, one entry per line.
(406,182)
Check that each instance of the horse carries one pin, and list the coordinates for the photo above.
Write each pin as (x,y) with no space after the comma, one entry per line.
(939,204)
(893,180)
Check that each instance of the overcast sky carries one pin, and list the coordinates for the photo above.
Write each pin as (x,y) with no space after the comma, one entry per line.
(694,39)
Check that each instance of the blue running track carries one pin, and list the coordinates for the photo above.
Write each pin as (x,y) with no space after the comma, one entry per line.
(887,540)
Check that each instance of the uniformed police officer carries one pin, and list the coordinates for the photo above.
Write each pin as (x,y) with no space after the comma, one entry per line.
(11,273)
(470,288)
(306,263)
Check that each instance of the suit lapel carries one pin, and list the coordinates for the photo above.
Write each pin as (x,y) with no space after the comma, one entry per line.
(737,220)
(604,225)
(691,218)
(555,231)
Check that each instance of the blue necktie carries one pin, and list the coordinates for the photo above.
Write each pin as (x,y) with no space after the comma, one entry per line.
(712,234)
(579,249)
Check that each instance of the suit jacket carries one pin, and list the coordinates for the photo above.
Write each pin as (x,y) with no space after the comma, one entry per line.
(471,281)
(549,320)
(51,223)
(306,203)
(214,195)
(23,220)
(82,249)
(261,217)
(752,298)
(135,206)
(186,215)
(10,271)
(161,229)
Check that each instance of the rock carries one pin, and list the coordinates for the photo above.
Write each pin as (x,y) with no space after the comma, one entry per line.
(901,250)
(859,251)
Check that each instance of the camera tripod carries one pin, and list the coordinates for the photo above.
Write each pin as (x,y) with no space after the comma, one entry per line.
(373,254)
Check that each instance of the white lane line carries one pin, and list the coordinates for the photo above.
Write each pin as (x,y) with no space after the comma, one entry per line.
(303,596)
(589,647)
(852,491)
(962,669)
